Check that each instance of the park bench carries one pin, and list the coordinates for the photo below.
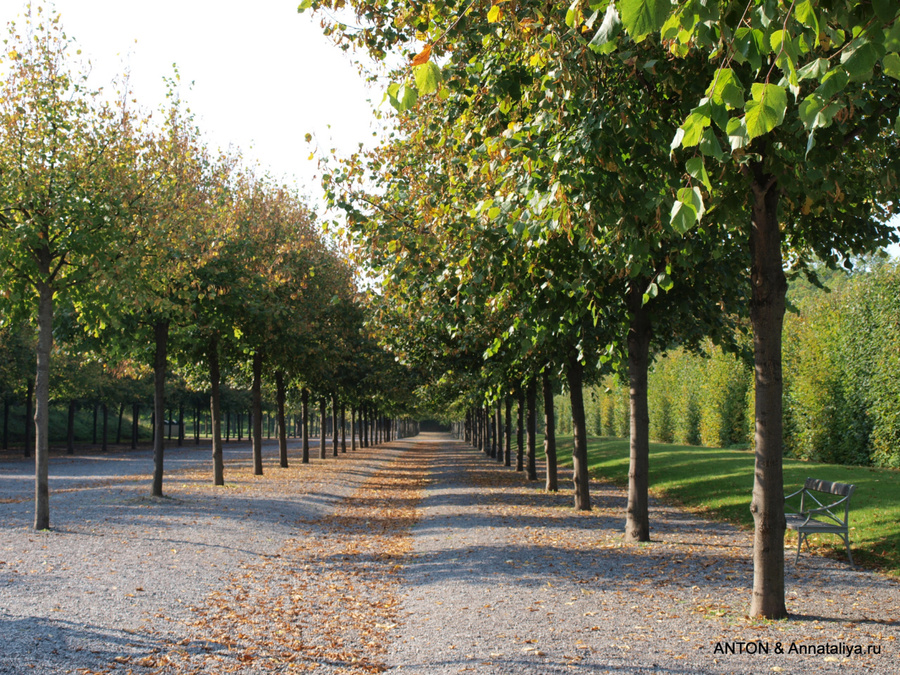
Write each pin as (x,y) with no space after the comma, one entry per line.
(818,514)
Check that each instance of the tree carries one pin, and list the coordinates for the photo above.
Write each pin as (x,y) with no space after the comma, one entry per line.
(61,198)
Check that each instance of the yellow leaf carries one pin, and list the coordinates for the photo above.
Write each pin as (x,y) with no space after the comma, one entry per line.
(422,57)
(494,14)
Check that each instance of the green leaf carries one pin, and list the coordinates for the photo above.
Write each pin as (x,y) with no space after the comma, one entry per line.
(609,29)
(766,109)
(806,14)
(304,5)
(642,17)
(814,70)
(886,10)
(726,88)
(737,133)
(697,169)
(694,125)
(692,196)
(408,98)
(710,146)
(891,65)
(859,59)
(428,77)
(833,83)
(749,47)
(683,217)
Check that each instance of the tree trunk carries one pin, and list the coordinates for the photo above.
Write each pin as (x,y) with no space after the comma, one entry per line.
(498,426)
(197,425)
(119,424)
(94,430)
(135,424)
(29,417)
(42,408)
(161,338)
(575,377)
(256,402)
(334,424)
(6,423)
(352,429)
(70,428)
(520,433)
(637,514)
(323,409)
(280,395)
(552,483)
(768,288)
(343,427)
(104,444)
(304,412)
(366,412)
(215,410)
(507,460)
(531,429)
(180,424)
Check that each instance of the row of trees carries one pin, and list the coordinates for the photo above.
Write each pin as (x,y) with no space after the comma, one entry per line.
(572,188)
(126,241)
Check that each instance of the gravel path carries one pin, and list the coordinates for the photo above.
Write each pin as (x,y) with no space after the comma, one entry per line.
(505,578)
(421,556)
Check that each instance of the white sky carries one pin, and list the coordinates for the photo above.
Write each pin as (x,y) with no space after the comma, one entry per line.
(263,75)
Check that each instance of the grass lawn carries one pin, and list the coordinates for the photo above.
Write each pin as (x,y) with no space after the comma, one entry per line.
(718,483)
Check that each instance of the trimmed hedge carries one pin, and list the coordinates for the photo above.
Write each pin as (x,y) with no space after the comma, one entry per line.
(841,384)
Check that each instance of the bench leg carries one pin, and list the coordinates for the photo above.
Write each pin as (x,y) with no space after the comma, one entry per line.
(847,542)
(799,546)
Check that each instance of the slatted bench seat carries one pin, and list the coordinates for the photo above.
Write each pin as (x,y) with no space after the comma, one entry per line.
(818,514)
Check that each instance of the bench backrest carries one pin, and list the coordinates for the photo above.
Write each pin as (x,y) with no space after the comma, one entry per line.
(842,489)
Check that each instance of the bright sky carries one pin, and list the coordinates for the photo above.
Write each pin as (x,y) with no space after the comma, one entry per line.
(264,76)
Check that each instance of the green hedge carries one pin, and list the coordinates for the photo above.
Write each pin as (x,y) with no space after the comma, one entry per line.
(841,380)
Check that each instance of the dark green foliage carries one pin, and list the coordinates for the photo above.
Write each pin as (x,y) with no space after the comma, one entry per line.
(841,395)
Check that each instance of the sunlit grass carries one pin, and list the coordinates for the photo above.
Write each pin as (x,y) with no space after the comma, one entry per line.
(718,483)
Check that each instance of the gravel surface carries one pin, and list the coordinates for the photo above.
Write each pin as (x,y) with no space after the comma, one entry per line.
(419,557)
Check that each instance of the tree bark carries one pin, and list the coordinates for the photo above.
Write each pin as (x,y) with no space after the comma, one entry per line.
(352,429)
(256,402)
(104,444)
(135,424)
(343,427)
(304,412)
(29,417)
(520,435)
(215,410)
(6,423)
(70,428)
(119,424)
(180,424)
(161,338)
(280,396)
(552,484)
(507,460)
(498,428)
(531,428)
(94,429)
(334,425)
(637,513)
(42,408)
(323,409)
(767,303)
(575,377)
